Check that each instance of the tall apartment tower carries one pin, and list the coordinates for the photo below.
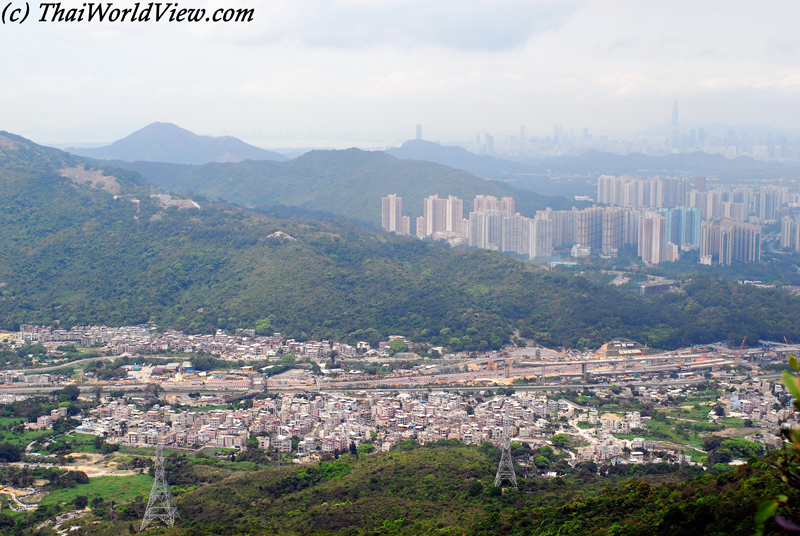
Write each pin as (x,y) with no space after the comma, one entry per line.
(392,219)
(653,245)
(486,230)
(613,230)
(541,237)
(516,235)
(589,227)
(739,242)
(419,132)
(563,225)
(709,242)
(442,218)
(700,183)
(790,234)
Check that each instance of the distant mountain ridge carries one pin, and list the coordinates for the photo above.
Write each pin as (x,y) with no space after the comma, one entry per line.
(458,158)
(592,162)
(598,163)
(347,183)
(165,142)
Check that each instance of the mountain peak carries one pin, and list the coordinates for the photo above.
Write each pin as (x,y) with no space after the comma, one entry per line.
(167,142)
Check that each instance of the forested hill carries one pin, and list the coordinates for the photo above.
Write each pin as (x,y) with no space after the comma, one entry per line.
(165,142)
(446,488)
(97,247)
(348,183)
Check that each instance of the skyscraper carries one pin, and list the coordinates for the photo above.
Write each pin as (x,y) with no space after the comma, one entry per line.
(419,132)
(589,228)
(653,245)
(613,230)
(700,183)
(442,218)
(709,242)
(739,242)
(541,237)
(392,219)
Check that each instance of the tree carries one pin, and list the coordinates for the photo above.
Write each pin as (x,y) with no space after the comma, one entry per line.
(81,502)
(153,390)
(353,449)
(541,462)
(10,452)
(560,440)
(397,346)
(366,448)
(787,462)
(68,393)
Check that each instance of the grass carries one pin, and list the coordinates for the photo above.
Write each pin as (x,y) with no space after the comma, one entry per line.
(586,425)
(115,488)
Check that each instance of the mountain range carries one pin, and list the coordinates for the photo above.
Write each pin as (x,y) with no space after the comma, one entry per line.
(530,172)
(346,183)
(165,142)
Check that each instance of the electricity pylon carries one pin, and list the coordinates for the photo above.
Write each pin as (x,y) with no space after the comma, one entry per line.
(161,505)
(505,470)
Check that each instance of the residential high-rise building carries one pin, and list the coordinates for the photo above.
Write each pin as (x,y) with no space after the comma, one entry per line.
(653,245)
(739,242)
(392,219)
(631,226)
(589,228)
(700,182)
(516,235)
(419,132)
(709,241)
(790,234)
(442,218)
(541,237)
(563,225)
(486,230)
(683,226)
(613,230)
(733,211)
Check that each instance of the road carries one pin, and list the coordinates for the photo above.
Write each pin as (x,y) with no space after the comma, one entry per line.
(63,365)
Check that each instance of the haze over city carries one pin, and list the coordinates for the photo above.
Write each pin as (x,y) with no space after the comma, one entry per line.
(365,73)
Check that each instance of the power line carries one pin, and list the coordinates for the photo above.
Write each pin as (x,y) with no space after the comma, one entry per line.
(161,505)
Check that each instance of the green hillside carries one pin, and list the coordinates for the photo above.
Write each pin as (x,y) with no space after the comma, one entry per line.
(76,253)
(347,183)
(447,488)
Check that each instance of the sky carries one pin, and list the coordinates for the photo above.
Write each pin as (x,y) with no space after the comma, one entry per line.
(371,70)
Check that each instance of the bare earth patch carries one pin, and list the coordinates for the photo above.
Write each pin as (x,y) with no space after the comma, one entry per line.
(80,175)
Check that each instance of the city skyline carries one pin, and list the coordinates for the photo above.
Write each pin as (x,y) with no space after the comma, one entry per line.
(349,71)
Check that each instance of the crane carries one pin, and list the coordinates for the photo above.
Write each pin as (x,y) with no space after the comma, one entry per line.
(741,346)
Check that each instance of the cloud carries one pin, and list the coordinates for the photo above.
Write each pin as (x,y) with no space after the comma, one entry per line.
(469,25)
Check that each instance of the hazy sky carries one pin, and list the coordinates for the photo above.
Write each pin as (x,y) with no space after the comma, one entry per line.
(373,69)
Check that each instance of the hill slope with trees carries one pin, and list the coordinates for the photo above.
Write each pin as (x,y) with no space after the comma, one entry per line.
(347,183)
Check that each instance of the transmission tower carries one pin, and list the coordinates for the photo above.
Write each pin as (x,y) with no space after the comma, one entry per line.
(161,504)
(505,470)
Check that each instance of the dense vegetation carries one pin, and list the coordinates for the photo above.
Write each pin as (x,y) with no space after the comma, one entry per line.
(447,488)
(76,254)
